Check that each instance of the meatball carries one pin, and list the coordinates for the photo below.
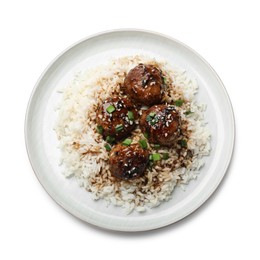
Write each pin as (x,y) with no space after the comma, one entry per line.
(116,118)
(162,124)
(144,85)
(128,162)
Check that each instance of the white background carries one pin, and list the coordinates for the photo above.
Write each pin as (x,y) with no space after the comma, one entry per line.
(225,33)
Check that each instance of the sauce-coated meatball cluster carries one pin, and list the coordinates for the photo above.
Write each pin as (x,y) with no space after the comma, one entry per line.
(117,118)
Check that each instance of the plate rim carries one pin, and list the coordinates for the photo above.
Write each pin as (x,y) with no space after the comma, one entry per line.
(132,30)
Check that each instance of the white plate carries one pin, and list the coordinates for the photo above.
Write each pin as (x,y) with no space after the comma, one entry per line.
(41,140)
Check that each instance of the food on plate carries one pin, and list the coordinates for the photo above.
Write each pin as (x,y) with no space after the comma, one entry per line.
(144,84)
(116,118)
(132,132)
(162,124)
(128,161)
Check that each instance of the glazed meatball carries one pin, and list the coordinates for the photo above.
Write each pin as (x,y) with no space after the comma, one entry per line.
(128,162)
(144,85)
(116,118)
(162,124)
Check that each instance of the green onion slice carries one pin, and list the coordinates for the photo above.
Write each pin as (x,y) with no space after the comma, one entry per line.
(154,121)
(188,113)
(130,115)
(108,147)
(100,129)
(164,80)
(156,157)
(119,128)
(183,143)
(146,135)
(179,102)
(165,156)
(143,143)
(127,142)
(111,109)
(150,116)
(110,139)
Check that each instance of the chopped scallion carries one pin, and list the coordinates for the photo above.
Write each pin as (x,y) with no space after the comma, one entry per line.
(154,121)
(156,157)
(100,129)
(143,143)
(183,143)
(127,142)
(150,117)
(188,113)
(119,128)
(108,147)
(165,156)
(146,135)
(111,109)
(130,115)
(164,80)
(179,102)
(110,139)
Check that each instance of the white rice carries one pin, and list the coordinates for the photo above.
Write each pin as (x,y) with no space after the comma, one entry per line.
(82,149)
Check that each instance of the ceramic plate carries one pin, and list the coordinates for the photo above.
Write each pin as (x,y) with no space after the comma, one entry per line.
(42,143)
